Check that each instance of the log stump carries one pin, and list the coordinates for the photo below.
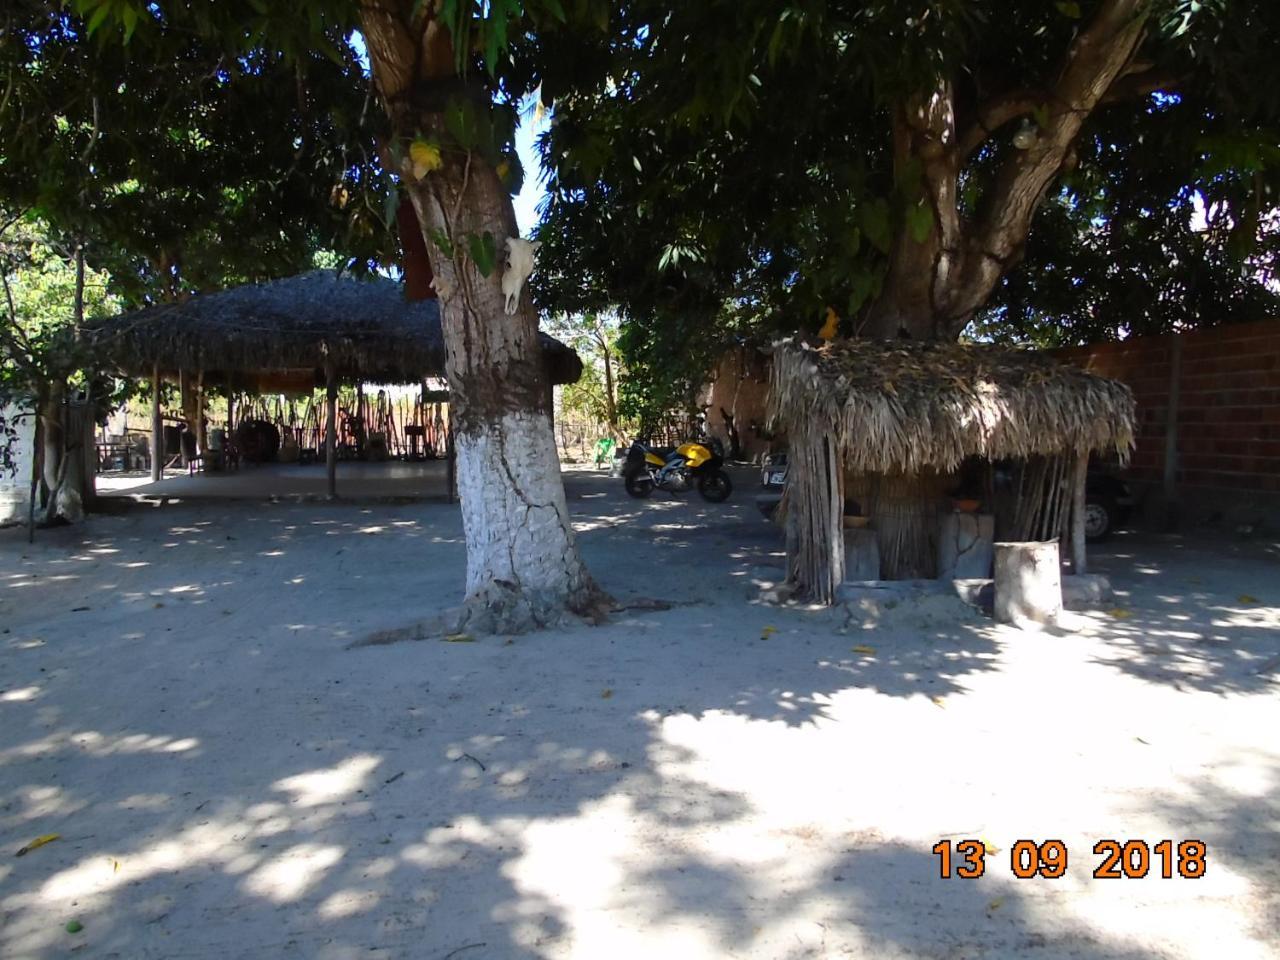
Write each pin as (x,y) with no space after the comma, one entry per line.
(1028,583)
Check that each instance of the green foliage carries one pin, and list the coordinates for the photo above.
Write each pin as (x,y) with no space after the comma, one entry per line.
(186,162)
(727,168)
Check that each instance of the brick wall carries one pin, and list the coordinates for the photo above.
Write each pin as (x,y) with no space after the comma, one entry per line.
(1228,416)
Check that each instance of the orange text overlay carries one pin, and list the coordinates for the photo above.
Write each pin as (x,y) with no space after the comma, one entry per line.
(1112,859)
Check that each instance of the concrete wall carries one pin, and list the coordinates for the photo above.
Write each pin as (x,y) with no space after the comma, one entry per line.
(740,385)
(1227,414)
(14,489)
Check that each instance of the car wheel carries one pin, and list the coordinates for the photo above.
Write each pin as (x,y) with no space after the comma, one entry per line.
(1099,518)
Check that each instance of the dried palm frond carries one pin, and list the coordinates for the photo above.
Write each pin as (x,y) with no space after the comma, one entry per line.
(364,326)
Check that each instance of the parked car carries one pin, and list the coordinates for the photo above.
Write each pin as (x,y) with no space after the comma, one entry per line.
(1108,499)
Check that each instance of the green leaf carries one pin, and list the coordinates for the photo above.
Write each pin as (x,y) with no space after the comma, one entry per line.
(99,15)
(920,222)
(129,17)
(484,252)
(875,224)
(441,240)
(1068,8)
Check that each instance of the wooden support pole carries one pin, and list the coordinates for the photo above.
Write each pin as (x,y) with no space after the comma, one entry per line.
(231,411)
(201,439)
(186,402)
(1171,432)
(331,428)
(1079,481)
(157,427)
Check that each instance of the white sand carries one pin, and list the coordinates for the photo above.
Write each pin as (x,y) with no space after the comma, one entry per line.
(229,780)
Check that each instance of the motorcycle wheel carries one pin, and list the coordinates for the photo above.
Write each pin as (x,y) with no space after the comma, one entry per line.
(639,485)
(715,486)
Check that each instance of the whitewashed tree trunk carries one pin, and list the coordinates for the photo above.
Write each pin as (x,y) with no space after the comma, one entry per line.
(523,567)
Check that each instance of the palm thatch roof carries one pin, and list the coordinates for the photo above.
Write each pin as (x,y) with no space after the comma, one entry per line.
(902,406)
(364,327)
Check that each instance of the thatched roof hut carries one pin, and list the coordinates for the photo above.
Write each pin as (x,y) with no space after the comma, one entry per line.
(365,327)
(858,409)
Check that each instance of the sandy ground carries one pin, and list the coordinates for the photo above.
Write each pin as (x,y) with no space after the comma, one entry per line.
(721,779)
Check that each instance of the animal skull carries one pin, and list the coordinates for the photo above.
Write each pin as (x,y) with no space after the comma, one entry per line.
(520,255)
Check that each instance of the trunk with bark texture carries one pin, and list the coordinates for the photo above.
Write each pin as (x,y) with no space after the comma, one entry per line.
(936,283)
(523,567)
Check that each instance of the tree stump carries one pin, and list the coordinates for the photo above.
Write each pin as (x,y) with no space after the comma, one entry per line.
(1028,582)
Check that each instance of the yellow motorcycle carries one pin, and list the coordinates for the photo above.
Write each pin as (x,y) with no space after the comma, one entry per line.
(677,470)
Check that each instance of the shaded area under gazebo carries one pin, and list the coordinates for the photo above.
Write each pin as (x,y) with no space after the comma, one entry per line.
(919,435)
(318,329)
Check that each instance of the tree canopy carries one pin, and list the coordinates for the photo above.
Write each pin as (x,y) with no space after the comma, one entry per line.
(184,161)
(746,165)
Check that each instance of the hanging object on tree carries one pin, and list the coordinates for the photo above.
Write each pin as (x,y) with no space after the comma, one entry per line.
(1026,135)
(832,325)
(520,254)
(444,289)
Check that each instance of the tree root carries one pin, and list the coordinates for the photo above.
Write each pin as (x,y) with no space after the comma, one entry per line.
(503,609)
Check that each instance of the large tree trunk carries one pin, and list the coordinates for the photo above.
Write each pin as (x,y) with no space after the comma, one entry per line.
(937,281)
(523,567)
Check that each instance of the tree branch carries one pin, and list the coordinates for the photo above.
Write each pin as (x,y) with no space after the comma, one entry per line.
(995,113)
(1096,58)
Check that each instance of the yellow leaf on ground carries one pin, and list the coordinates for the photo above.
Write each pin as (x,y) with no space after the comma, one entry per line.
(995,905)
(608,692)
(939,702)
(1246,598)
(989,847)
(458,638)
(37,843)
(1120,613)
(767,632)
(863,648)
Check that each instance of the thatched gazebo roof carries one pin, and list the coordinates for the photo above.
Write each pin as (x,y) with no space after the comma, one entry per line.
(902,406)
(364,326)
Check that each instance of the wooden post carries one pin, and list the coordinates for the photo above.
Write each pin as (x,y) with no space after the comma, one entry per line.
(200,437)
(157,427)
(331,428)
(185,403)
(1171,431)
(1079,481)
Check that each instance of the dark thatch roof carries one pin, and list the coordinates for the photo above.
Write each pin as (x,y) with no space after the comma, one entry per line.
(365,325)
(901,406)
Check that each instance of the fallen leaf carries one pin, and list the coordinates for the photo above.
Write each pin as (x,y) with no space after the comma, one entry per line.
(458,638)
(863,648)
(115,866)
(767,632)
(939,702)
(1120,613)
(990,848)
(608,692)
(74,926)
(159,605)
(38,842)
(995,905)
(1246,598)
